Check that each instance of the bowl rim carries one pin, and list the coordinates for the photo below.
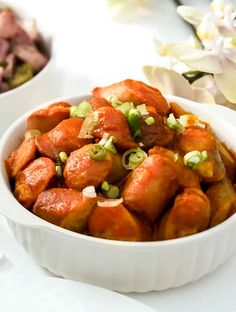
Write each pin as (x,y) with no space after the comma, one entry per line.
(48,41)
(47,226)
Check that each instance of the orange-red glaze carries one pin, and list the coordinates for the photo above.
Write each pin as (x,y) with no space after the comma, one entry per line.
(136,92)
(151,186)
(46,119)
(64,137)
(33,180)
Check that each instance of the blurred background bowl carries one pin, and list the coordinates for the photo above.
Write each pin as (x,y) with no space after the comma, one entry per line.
(40,88)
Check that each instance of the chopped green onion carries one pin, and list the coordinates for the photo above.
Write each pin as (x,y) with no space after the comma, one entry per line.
(112,192)
(59,171)
(32,133)
(22,73)
(110,146)
(81,110)
(97,152)
(104,139)
(150,121)
(195,158)
(133,157)
(105,186)
(173,123)
(134,120)
(125,108)
(63,157)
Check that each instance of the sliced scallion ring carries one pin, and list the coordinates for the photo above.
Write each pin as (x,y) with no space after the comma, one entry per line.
(150,121)
(58,171)
(112,192)
(133,157)
(125,107)
(143,110)
(97,152)
(109,145)
(105,186)
(82,110)
(134,120)
(32,133)
(194,158)
(63,157)
(173,123)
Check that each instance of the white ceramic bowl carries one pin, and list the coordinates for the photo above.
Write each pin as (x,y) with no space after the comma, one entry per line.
(121,266)
(15,102)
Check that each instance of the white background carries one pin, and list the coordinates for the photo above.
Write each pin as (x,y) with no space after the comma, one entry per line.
(91,50)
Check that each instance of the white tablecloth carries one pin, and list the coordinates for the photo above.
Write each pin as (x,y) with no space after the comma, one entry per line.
(92,50)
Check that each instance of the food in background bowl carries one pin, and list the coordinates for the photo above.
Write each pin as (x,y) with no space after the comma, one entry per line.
(22,53)
(124,165)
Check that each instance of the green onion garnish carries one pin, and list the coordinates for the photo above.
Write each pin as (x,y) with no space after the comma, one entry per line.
(110,146)
(63,157)
(125,108)
(97,152)
(133,157)
(134,120)
(194,158)
(150,121)
(81,110)
(112,192)
(173,123)
(59,171)
(32,133)
(105,186)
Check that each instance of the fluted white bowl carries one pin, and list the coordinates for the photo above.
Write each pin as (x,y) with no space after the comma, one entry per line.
(40,88)
(118,265)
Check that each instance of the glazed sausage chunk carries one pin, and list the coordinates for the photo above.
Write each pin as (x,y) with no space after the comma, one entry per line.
(33,180)
(98,102)
(21,157)
(200,139)
(64,137)
(112,121)
(117,223)
(151,186)
(156,134)
(64,207)
(48,118)
(223,201)
(81,170)
(189,215)
(136,92)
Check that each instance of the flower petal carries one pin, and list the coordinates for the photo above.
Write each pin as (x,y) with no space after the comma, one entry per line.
(204,61)
(190,14)
(226,80)
(168,81)
(203,96)
(208,82)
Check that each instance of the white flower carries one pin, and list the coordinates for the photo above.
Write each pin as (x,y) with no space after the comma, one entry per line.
(169,81)
(123,8)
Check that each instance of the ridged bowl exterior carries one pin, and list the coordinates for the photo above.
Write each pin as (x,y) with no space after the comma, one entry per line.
(120,266)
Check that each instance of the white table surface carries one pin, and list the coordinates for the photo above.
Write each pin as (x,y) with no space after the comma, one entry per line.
(92,50)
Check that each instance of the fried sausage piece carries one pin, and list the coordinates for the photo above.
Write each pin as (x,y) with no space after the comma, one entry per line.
(98,102)
(48,118)
(157,133)
(117,172)
(186,176)
(66,208)
(223,201)
(117,223)
(112,121)
(81,170)
(189,215)
(33,180)
(228,160)
(136,92)
(177,110)
(196,138)
(200,139)
(151,186)
(19,158)
(64,137)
